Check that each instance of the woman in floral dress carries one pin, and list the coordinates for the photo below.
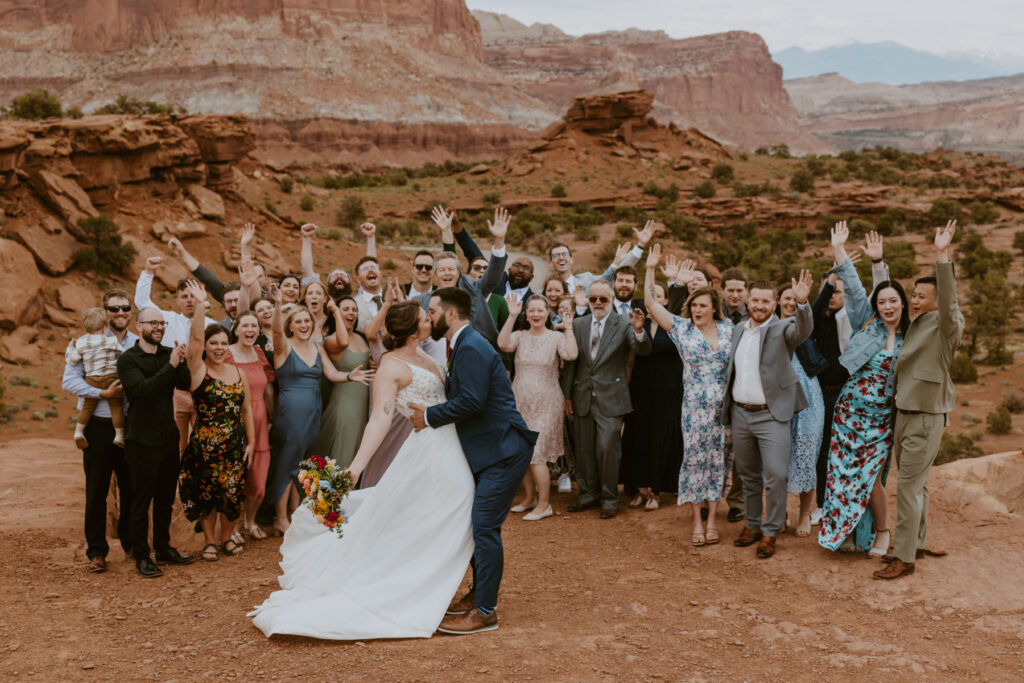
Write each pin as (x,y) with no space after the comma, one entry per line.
(538,395)
(212,479)
(855,514)
(704,340)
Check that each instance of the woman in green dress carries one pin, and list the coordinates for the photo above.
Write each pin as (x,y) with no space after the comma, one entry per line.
(346,413)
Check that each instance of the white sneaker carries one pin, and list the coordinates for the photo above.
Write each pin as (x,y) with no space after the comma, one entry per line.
(564,483)
(538,514)
(816,517)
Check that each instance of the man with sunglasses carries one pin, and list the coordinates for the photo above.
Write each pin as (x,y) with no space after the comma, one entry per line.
(596,392)
(422,274)
(101,458)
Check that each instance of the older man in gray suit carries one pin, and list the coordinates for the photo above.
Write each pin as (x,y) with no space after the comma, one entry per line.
(597,393)
(761,397)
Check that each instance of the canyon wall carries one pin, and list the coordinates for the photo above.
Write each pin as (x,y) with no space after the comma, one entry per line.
(978,116)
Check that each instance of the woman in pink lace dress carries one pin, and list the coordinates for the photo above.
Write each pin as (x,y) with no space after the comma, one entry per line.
(537,392)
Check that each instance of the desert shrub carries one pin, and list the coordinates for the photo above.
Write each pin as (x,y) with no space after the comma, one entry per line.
(683,228)
(943,210)
(33,105)
(1013,401)
(705,190)
(287,183)
(781,151)
(957,447)
(491,198)
(815,165)
(131,105)
(999,421)
(942,181)
(578,217)
(983,212)
(667,196)
(723,174)
(892,222)
(1018,241)
(106,252)
(860,227)
(396,177)
(840,174)
(351,212)
(962,369)
(802,180)
(900,258)
(976,259)
(306,203)
(74,113)
(558,190)
(635,214)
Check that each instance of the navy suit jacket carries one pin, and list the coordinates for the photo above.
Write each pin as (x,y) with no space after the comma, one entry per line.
(481,405)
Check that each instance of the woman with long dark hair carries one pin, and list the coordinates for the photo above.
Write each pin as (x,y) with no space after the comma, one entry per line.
(855,514)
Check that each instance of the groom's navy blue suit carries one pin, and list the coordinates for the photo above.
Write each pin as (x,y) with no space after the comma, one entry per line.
(497,444)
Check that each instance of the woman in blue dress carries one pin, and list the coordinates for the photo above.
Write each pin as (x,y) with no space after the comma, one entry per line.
(298,363)
(807,425)
(704,340)
(855,515)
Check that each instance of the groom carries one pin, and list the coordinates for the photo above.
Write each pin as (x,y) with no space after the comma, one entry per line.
(497,444)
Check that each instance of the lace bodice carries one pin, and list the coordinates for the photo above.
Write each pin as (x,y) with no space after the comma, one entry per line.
(425,389)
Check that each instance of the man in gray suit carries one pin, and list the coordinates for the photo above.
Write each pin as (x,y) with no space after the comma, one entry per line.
(448,271)
(597,393)
(761,397)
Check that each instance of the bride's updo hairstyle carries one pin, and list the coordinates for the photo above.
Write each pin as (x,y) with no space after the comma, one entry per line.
(401,322)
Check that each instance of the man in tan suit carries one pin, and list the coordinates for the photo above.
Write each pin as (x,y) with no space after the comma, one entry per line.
(924,396)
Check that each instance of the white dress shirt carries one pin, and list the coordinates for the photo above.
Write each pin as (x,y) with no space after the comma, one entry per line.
(747,387)
(843,328)
(179,328)
(623,307)
(520,293)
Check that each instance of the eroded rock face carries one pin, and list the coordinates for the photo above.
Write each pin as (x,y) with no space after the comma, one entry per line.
(18,347)
(20,282)
(54,251)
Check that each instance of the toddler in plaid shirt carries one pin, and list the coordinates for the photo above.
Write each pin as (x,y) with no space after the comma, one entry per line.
(98,352)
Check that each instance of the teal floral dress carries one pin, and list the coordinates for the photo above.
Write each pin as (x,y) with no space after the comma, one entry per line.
(707,443)
(213,466)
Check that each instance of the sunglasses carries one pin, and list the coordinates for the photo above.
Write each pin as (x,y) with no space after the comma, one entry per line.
(599,299)
(124,308)
(424,266)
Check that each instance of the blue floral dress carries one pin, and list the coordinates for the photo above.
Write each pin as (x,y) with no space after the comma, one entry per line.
(861,443)
(806,430)
(707,443)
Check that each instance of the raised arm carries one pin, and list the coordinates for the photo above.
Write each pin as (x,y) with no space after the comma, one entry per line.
(250,286)
(873,250)
(857,306)
(281,345)
(465,240)
(567,348)
(369,231)
(506,341)
(144,286)
(951,321)
(392,294)
(244,240)
(306,250)
(197,341)
(654,309)
(496,265)
(336,343)
(443,220)
(804,323)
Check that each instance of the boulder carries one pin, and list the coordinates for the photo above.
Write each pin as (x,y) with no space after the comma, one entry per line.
(59,317)
(479,168)
(209,203)
(17,347)
(264,254)
(610,112)
(166,229)
(74,297)
(54,251)
(20,281)
(66,196)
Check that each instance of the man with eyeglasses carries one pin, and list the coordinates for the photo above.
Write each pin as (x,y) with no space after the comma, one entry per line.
(596,392)
(422,274)
(151,373)
(101,457)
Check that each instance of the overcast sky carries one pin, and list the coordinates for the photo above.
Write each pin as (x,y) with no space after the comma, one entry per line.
(940,26)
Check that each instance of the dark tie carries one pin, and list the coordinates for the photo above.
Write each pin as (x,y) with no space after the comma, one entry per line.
(377,300)
(449,353)
(595,339)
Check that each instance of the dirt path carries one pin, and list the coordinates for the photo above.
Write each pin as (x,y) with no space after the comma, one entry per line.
(581,599)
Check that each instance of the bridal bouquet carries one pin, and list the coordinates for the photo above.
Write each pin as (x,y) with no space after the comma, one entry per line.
(326,486)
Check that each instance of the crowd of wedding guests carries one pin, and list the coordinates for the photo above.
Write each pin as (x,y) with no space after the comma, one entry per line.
(703,388)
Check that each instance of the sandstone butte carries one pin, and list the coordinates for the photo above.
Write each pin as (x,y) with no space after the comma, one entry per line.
(344,81)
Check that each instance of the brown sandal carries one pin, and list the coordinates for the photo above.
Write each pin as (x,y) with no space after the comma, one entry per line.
(209,552)
(712,536)
(235,550)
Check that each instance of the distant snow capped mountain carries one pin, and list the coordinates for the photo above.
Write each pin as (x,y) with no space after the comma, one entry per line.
(893,63)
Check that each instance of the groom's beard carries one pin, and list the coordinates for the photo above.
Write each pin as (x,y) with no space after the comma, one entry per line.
(439,329)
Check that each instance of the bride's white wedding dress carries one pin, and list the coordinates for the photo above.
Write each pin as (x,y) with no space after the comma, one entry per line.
(405,548)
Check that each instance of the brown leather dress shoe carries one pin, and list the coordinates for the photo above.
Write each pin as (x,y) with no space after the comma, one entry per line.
(98,565)
(918,554)
(894,570)
(469,623)
(462,605)
(766,548)
(748,537)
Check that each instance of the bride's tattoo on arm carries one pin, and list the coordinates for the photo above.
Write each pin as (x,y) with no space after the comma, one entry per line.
(389,408)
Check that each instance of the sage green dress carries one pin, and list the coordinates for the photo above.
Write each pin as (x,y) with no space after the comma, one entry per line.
(346,413)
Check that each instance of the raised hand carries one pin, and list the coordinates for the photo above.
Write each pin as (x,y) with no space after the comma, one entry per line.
(621,253)
(944,238)
(275,293)
(442,218)
(515,305)
(686,272)
(643,236)
(671,268)
(654,257)
(247,273)
(636,319)
(368,229)
(802,286)
(840,233)
(331,307)
(174,244)
(177,354)
(855,257)
(248,232)
(872,246)
(567,317)
(308,230)
(152,263)
(197,291)
(361,375)
(499,228)
(580,297)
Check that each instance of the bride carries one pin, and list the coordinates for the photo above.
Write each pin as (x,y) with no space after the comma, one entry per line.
(407,541)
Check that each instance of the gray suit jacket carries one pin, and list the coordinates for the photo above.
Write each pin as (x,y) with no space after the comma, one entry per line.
(602,381)
(782,391)
(480,316)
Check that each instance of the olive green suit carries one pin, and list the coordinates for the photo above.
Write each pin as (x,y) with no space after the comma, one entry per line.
(924,395)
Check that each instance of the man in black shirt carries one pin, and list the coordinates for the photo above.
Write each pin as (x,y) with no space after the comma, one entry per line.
(831,333)
(149,374)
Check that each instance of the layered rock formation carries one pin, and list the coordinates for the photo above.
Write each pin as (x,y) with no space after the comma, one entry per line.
(979,116)
(725,84)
